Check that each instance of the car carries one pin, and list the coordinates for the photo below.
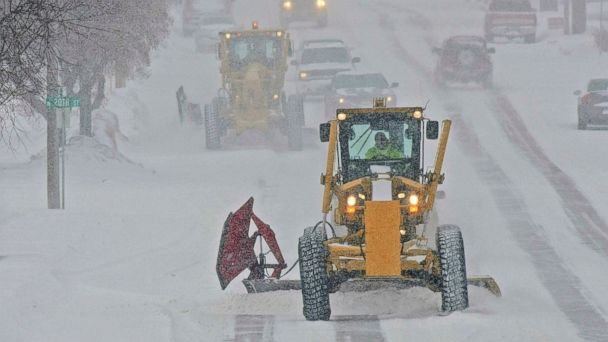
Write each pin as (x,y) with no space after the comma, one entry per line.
(303,10)
(593,106)
(511,19)
(318,61)
(206,37)
(464,59)
(352,90)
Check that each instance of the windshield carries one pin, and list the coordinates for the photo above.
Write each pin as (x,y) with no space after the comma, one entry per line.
(247,50)
(325,55)
(511,6)
(360,81)
(392,141)
(598,85)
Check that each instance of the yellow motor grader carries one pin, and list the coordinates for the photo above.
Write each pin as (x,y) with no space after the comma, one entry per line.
(381,204)
(252,66)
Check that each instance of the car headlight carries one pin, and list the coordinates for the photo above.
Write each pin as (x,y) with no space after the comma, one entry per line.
(389,98)
(341,100)
(287,5)
(303,75)
(320,3)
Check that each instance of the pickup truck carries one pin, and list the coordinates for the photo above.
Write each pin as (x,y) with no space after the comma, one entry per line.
(511,19)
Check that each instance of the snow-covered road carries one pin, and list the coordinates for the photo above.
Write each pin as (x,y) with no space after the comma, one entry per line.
(132,258)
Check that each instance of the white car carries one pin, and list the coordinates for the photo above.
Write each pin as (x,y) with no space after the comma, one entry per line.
(211,24)
(318,62)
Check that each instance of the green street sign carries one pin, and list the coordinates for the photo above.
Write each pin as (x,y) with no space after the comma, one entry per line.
(63,102)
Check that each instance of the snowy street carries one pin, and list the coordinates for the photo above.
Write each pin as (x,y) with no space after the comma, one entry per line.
(133,255)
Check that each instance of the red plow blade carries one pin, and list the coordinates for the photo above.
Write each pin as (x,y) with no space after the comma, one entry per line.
(236,252)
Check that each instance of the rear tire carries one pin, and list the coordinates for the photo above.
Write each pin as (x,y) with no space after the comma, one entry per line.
(450,247)
(313,274)
(212,125)
(294,116)
(582,122)
(530,39)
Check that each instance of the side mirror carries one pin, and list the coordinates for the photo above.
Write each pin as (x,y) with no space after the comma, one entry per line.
(436,50)
(294,62)
(577,93)
(440,194)
(356,60)
(491,50)
(432,130)
(324,131)
(394,84)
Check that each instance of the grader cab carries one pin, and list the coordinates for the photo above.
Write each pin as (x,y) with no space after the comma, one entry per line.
(252,67)
(377,206)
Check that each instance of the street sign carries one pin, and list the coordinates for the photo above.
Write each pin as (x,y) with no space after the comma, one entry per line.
(63,102)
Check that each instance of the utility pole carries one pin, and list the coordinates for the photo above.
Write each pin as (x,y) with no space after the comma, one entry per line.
(52,138)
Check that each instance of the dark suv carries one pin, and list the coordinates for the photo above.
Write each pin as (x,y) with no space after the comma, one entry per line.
(593,106)
(464,59)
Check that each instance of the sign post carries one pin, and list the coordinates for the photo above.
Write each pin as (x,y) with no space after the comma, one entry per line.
(63,123)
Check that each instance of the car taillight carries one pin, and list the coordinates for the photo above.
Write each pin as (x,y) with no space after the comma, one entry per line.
(586,100)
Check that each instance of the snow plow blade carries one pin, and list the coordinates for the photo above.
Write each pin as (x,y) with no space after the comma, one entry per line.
(486,282)
(361,285)
(236,252)
(268,285)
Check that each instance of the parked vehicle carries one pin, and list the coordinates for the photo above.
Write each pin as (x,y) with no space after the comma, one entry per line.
(593,106)
(511,19)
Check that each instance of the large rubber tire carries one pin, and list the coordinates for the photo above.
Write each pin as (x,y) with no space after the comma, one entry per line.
(450,247)
(582,122)
(530,39)
(294,116)
(313,274)
(212,125)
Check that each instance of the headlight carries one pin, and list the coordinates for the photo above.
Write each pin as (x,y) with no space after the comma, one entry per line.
(341,100)
(351,200)
(413,199)
(320,3)
(417,114)
(228,35)
(389,98)
(275,97)
(303,75)
(287,5)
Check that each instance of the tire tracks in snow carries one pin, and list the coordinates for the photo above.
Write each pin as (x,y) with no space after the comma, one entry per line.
(364,328)
(592,227)
(565,287)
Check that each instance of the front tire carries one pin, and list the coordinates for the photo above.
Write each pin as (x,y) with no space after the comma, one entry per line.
(313,274)
(582,122)
(450,248)
(212,125)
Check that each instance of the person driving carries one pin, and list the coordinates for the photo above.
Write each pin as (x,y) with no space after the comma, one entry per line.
(383,149)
